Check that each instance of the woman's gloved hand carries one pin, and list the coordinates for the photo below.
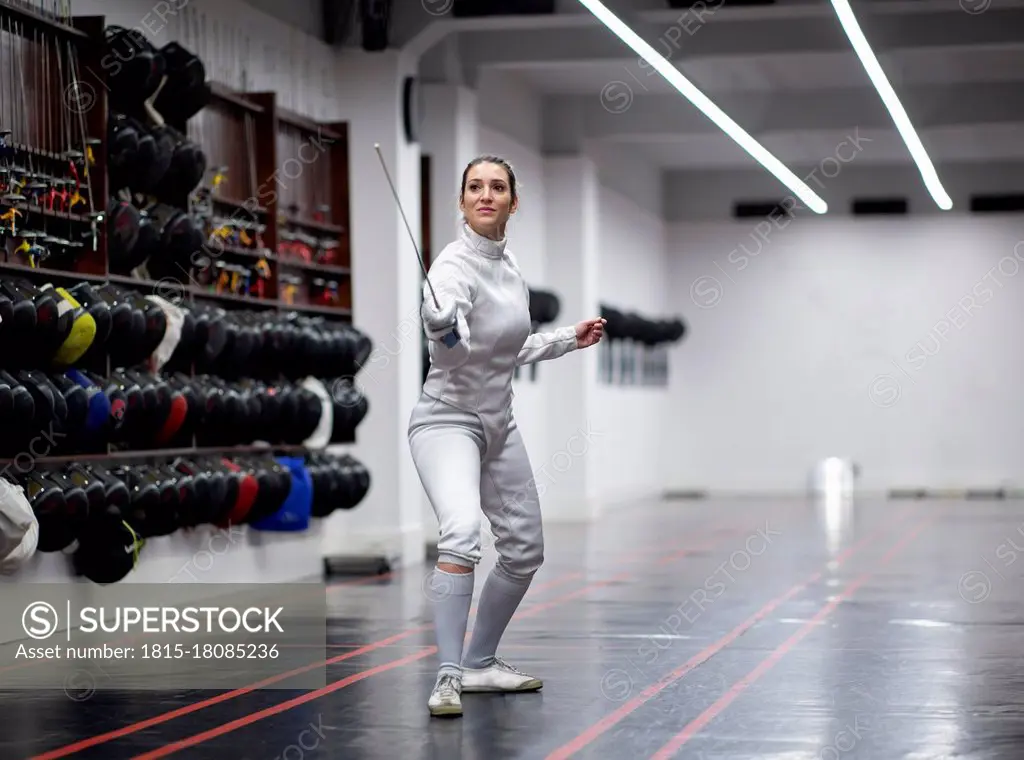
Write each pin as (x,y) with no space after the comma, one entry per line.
(438,322)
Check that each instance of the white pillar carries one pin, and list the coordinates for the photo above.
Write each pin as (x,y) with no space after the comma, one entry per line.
(571,189)
(449,135)
(386,300)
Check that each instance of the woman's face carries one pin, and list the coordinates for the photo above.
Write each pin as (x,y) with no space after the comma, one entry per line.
(487,200)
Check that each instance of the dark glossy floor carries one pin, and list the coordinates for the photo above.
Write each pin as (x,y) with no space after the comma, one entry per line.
(704,630)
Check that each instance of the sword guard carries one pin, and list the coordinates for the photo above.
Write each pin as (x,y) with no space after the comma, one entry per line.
(451,339)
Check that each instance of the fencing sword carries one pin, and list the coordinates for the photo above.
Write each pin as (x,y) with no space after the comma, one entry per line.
(450,339)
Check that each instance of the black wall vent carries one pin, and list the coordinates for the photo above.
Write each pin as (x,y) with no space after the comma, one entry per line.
(994,204)
(474,8)
(878,206)
(711,5)
(760,209)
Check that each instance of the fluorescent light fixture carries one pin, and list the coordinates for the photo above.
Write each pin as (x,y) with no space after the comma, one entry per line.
(709,109)
(888,95)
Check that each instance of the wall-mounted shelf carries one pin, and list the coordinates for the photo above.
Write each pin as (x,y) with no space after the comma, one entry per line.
(36,22)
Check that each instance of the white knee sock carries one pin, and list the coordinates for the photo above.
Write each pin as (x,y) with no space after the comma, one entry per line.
(498,603)
(453,596)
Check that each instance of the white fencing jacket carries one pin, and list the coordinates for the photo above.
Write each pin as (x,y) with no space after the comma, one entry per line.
(483,279)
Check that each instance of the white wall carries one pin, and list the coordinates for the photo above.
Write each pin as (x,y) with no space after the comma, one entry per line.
(386,297)
(564,475)
(893,342)
(632,277)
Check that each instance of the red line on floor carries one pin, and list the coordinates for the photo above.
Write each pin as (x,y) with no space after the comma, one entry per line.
(363,581)
(156,720)
(740,686)
(84,744)
(135,637)
(245,720)
(628,708)
(248,720)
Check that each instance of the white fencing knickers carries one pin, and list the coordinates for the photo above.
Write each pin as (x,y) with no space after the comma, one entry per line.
(472,466)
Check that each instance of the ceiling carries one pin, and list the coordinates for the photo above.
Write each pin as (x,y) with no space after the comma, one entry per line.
(786,73)
(783,71)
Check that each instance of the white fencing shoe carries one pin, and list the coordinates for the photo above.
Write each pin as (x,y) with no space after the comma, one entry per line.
(444,700)
(500,676)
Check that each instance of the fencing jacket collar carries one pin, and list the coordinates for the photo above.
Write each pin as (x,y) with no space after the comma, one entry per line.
(492,249)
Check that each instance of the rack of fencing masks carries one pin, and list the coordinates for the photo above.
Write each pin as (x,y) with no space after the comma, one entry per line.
(196,190)
(152,165)
(128,418)
(139,400)
(635,349)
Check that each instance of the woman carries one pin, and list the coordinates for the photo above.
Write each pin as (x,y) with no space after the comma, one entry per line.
(464,439)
